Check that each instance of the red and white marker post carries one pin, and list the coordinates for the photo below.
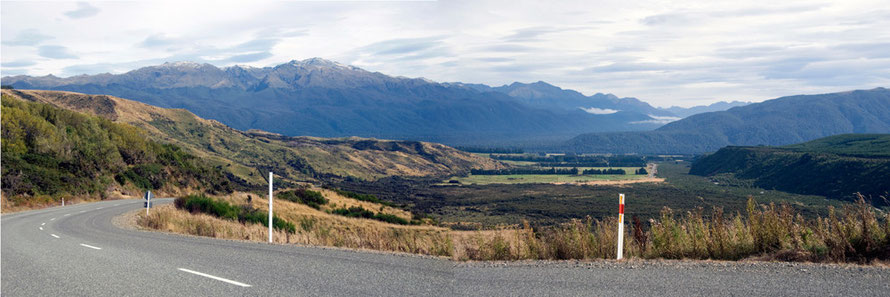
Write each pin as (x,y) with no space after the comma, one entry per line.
(620,225)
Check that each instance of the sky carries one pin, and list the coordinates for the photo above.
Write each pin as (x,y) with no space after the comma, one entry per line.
(667,53)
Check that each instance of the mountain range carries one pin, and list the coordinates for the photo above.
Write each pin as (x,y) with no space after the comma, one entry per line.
(717,106)
(317,97)
(246,156)
(780,121)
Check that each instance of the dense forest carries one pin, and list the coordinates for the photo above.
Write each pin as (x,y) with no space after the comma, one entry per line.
(836,167)
(49,153)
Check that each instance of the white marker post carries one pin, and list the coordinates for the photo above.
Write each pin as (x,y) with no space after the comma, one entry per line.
(270,206)
(147,201)
(620,225)
(63,201)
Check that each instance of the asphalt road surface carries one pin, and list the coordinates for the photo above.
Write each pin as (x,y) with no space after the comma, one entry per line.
(77,251)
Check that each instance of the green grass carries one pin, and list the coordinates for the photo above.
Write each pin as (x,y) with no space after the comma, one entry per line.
(540,178)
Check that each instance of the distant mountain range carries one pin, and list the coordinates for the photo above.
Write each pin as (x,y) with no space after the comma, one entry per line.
(718,106)
(781,121)
(317,97)
(245,157)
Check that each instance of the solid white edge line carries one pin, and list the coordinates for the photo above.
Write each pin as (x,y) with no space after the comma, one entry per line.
(53,235)
(215,277)
(92,247)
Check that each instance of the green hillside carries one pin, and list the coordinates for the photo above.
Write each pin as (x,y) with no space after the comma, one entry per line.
(50,153)
(836,167)
(854,145)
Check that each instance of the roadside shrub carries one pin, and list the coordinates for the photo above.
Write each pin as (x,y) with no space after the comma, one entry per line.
(361,212)
(304,196)
(364,197)
(354,212)
(222,209)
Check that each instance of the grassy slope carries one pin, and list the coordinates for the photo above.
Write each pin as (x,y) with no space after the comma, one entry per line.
(248,154)
(317,227)
(836,166)
(51,153)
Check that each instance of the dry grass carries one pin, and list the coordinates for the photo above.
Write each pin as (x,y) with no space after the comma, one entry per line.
(338,201)
(31,203)
(314,227)
(765,232)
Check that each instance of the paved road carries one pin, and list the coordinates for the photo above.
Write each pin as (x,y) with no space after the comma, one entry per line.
(77,251)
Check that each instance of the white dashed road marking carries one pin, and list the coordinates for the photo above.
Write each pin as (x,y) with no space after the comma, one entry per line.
(53,235)
(92,247)
(215,277)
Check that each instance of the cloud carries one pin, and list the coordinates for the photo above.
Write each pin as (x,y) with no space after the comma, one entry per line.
(529,34)
(245,58)
(657,120)
(27,37)
(594,110)
(12,72)
(509,48)
(681,52)
(158,40)
(84,10)
(17,64)
(402,46)
(668,19)
(55,52)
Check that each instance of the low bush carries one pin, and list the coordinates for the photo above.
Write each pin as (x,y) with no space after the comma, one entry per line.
(364,197)
(304,196)
(222,209)
(361,212)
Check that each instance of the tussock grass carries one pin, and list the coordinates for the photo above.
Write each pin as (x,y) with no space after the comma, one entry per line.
(313,227)
(857,233)
(768,232)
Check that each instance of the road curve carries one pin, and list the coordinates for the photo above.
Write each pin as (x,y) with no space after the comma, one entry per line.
(77,251)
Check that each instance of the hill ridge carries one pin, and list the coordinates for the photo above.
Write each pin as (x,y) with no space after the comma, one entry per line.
(242,153)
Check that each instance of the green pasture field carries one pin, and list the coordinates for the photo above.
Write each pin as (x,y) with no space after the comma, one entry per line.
(540,178)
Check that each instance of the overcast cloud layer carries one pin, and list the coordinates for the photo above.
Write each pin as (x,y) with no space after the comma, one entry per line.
(679,53)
